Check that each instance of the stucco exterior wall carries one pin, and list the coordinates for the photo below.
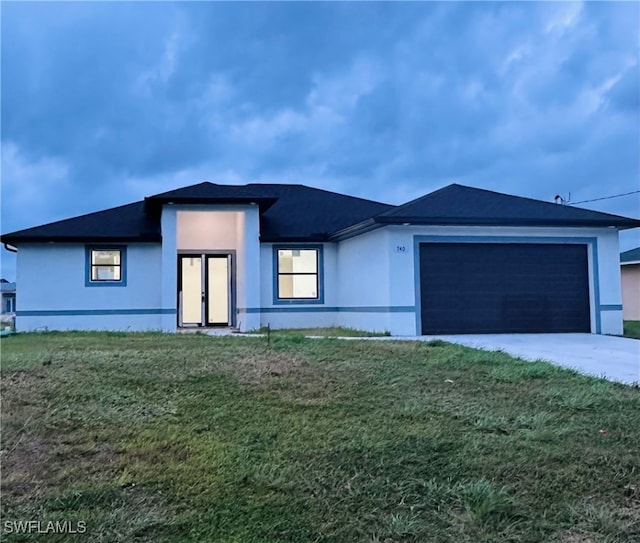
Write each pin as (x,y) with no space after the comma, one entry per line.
(366,295)
(368,282)
(298,314)
(248,270)
(630,275)
(604,277)
(53,294)
(358,292)
(376,277)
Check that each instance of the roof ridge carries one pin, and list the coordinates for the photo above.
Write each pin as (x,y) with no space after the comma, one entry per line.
(502,194)
(317,189)
(206,182)
(267,185)
(347,195)
(429,194)
(538,201)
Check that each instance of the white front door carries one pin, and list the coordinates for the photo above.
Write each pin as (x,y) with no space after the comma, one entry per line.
(204,290)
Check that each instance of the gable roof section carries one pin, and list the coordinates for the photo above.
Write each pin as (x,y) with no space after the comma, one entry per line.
(630,257)
(461,205)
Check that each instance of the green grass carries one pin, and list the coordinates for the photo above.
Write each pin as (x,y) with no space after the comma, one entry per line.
(185,438)
(329,331)
(632,329)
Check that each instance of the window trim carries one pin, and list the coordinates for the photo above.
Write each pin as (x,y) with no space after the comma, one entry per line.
(9,304)
(122,282)
(319,248)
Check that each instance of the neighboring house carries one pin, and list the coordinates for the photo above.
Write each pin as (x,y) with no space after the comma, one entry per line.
(458,260)
(8,291)
(630,272)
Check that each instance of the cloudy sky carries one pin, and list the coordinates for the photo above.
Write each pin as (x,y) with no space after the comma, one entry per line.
(105,103)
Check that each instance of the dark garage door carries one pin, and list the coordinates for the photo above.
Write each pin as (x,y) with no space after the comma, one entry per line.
(475,288)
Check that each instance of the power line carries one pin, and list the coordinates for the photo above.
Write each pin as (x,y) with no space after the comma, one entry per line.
(607,197)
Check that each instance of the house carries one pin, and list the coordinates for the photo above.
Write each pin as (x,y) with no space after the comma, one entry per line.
(457,260)
(630,272)
(8,291)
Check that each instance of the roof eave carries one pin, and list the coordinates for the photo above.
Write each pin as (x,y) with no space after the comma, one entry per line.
(277,238)
(464,221)
(355,230)
(151,238)
(153,203)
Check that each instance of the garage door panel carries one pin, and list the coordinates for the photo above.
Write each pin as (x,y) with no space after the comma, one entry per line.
(493,288)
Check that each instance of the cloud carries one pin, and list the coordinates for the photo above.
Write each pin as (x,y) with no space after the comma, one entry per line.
(28,184)
(565,16)
(382,100)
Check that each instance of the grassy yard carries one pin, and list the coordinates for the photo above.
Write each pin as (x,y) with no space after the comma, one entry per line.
(330,331)
(180,438)
(632,329)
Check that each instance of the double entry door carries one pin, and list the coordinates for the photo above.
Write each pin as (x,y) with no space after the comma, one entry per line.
(204,290)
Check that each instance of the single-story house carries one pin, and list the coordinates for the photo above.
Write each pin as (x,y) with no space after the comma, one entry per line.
(8,291)
(630,273)
(457,260)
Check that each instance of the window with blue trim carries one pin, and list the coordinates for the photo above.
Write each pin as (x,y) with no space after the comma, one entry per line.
(298,274)
(105,266)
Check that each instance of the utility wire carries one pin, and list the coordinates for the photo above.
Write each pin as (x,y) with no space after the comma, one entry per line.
(607,197)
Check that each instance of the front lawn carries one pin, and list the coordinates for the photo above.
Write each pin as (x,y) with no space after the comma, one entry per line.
(329,331)
(180,438)
(632,329)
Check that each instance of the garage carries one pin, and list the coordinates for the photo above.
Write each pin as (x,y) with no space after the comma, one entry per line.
(475,288)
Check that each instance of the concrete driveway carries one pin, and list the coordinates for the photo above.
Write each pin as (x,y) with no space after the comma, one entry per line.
(614,358)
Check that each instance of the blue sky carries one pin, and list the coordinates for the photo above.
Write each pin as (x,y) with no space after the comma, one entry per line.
(105,103)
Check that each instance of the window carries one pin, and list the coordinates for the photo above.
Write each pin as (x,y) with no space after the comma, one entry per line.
(9,304)
(298,274)
(105,266)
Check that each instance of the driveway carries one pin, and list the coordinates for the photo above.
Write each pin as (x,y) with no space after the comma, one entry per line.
(611,357)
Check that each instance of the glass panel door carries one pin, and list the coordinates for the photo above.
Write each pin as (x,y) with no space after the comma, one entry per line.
(191,291)
(218,290)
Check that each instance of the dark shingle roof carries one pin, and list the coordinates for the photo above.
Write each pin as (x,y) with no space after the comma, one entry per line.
(208,192)
(124,223)
(301,213)
(633,255)
(5,286)
(213,191)
(457,204)
(288,212)
(306,213)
